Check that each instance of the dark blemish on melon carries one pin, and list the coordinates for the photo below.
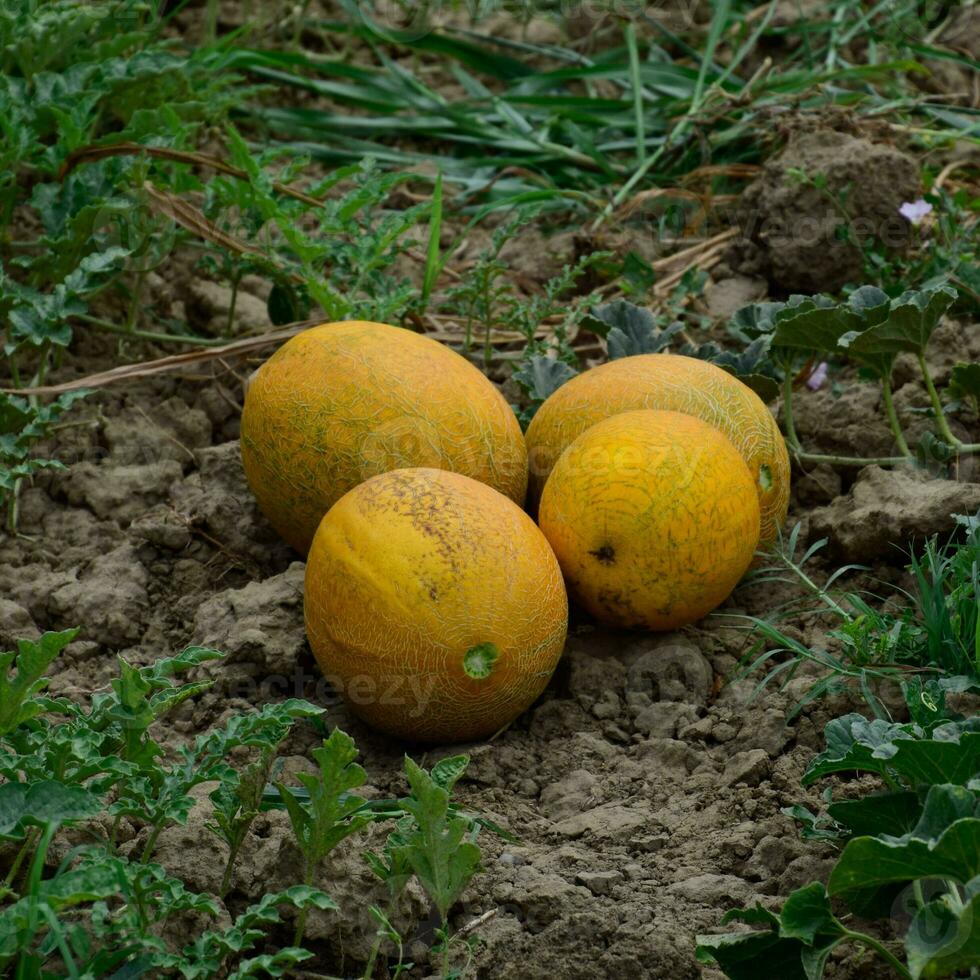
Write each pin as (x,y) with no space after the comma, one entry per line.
(606,554)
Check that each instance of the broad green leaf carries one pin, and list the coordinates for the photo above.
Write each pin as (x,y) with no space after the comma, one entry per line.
(964,383)
(753,955)
(629,329)
(881,813)
(908,325)
(806,913)
(43,802)
(820,329)
(542,376)
(950,755)
(954,853)
(943,939)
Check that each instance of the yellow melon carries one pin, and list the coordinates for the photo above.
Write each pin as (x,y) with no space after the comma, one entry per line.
(342,402)
(675,383)
(434,605)
(654,518)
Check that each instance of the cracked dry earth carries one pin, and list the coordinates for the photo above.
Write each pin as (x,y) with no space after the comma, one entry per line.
(646,793)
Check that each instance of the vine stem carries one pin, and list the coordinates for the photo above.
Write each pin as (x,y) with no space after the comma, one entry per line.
(162,338)
(805,457)
(937,406)
(890,958)
(889,403)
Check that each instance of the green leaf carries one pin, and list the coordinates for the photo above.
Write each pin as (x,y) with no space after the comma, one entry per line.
(434,847)
(908,325)
(951,754)
(629,329)
(541,376)
(432,264)
(753,955)
(42,802)
(944,937)
(820,328)
(940,846)
(30,663)
(447,772)
(327,816)
(885,813)
(806,913)
(964,383)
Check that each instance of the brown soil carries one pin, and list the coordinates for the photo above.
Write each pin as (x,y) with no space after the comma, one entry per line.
(645,793)
(645,790)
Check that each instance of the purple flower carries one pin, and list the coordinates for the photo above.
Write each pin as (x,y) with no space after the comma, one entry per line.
(915,211)
(817,377)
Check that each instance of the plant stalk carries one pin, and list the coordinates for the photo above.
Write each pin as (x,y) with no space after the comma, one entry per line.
(896,427)
(303,912)
(937,406)
(872,943)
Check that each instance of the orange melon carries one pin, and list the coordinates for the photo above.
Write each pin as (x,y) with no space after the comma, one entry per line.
(434,605)
(654,517)
(669,382)
(342,402)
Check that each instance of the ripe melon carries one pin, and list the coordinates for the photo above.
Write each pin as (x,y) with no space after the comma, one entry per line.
(675,383)
(342,402)
(434,605)
(654,517)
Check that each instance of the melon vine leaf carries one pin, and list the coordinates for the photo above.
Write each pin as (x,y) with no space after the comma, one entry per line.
(893,813)
(907,326)
(819,329)
(964,383)
(752,365)
(541,376)
(945,843)
(447,772)
(794,948)
(326,816)
(944,938)
(629,329)
(950,754)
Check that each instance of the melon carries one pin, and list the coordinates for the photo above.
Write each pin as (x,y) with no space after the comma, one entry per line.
(654,518)
(342,402)
(669,382)
(434,605)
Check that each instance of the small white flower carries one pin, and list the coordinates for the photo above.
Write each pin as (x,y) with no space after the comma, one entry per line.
(817,377)
(915,211)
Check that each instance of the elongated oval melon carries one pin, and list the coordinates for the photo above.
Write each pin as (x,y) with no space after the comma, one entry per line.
(342,402)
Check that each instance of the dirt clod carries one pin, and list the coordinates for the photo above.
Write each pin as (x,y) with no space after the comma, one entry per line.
(791,229)
(886,509)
